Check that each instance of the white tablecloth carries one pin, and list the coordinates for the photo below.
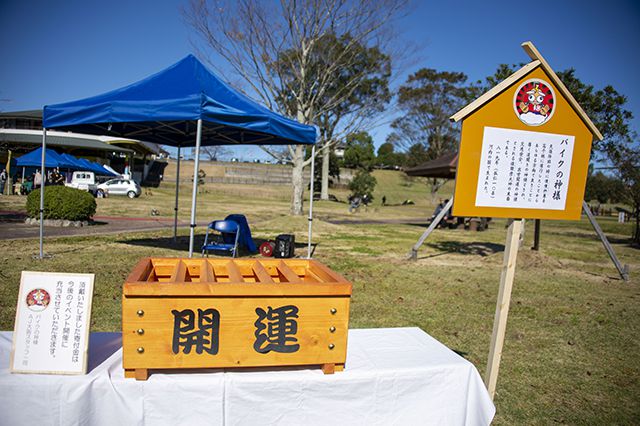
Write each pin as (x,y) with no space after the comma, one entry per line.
(397,376)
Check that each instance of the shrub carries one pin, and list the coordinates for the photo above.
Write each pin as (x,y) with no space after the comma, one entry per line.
(63,203)
(363,184)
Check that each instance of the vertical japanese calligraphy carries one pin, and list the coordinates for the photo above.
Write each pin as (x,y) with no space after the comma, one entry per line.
(203,335)
(275,330)
(524,169)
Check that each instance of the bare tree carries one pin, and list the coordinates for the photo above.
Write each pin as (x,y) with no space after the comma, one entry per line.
(274,50)
(215,152)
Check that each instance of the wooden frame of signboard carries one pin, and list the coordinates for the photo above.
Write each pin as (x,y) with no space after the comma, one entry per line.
(497,119)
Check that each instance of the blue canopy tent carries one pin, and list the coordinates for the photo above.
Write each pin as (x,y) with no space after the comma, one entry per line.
(84,164)
(53,159)
(94,167)
(71,160)
(183,105)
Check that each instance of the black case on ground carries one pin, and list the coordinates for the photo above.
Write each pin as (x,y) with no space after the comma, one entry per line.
(285,246)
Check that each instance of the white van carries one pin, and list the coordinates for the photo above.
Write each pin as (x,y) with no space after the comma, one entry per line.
(85,181)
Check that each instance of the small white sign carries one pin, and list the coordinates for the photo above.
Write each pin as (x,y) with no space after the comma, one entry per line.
(524,170)
(51,333)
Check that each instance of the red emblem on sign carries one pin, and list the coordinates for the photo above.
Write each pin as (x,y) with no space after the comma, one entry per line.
(534,102)
(38,299)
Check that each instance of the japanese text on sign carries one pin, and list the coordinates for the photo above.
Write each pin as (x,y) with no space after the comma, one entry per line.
(52,323)
(523,169)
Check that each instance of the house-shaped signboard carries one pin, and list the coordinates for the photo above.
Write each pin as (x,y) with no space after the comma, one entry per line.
(524,149)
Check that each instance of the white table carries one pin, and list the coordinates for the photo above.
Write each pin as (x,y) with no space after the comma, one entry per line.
(397,376)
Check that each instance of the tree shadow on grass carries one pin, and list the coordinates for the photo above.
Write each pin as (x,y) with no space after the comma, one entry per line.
(476,248)
(180,244)
(421,224)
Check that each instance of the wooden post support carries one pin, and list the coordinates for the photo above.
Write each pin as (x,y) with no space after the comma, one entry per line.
(536,236)
(413,255)
(502,306)
(523,228)
(622,270)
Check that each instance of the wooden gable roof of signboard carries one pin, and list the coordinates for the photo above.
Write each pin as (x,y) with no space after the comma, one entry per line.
(537,61)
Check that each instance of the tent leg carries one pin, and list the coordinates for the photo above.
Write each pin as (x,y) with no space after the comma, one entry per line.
(42,185)
(194,194)
(436,221)
(175,220)
(313,162)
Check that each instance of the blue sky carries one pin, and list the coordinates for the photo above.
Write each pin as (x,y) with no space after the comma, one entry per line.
(56,51)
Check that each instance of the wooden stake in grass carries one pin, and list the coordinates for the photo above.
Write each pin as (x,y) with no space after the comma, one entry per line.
(502,306)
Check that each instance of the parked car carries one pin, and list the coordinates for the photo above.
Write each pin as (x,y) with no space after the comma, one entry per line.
(119,186)
(85,181)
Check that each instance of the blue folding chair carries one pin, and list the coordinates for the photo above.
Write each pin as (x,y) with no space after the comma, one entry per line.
(224,236)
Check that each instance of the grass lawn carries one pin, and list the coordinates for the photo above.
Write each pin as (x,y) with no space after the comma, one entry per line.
(571,349)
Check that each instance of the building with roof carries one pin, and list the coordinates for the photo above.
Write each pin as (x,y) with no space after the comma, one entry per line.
(442,167)
(21,132)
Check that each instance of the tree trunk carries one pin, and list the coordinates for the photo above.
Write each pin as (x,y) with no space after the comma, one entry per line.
(636,237)
(324,191)
(297,180)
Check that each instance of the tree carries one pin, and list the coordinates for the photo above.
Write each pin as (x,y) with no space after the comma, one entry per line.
(363,184)
(605,107)
(604,189)
(416,155)
(627,161)
(388,157)
(367,98)
(274,49)
(334,169)
(428,99)
(359,153)
(215,152)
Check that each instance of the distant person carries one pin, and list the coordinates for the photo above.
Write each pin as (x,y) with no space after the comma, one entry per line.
(27,186)
(37,180)
(354,203)
(450,212)
(384,200)
(3,180)
(17,187)
(56,177)
(438,209)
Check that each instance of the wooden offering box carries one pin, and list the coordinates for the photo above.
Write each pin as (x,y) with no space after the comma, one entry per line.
(220,313)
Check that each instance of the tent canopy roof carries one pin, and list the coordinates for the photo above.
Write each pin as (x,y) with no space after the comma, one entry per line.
(34,159)
(163,108)
(64,161)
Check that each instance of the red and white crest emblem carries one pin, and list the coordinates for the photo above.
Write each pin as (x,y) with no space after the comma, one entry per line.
(534,102)
(38,299)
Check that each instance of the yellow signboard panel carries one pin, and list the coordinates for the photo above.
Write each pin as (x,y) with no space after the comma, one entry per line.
(523,154)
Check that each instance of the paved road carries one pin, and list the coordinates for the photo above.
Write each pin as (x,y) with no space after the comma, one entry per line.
(12,226)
